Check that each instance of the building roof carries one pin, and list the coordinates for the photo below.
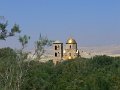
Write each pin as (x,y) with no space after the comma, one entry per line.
(71,41)
(57,41)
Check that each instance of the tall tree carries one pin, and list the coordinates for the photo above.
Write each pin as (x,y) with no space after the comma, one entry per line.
(23,41)
(40,45)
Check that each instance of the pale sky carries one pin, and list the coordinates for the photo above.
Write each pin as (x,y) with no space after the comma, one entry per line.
(90,22)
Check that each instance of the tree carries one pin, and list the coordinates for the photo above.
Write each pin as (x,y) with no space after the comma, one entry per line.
(10,70)
(22,56)
(4,33)
(24,40)
(40,45)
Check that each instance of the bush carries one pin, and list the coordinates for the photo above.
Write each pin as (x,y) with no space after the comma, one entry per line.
(7,52)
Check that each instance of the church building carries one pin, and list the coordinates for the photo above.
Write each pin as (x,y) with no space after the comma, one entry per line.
(69,52)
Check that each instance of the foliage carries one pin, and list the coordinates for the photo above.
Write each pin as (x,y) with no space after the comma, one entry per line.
(9,70)
(7,52)
(40,45)
(4,33)
(24,40)
(97,73)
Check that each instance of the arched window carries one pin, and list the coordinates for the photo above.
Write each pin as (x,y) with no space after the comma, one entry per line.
(55,47)
(70,46)
(55,54)
(69,54)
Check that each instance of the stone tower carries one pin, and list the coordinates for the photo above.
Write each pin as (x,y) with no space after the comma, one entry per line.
(58,52)
(71,50)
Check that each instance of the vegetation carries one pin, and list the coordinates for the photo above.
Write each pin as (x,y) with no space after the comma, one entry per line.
(24,40)
(40,45)
(4,33)
(97,73)
(12,62)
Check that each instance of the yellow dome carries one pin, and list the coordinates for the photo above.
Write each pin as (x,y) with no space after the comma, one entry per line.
(69,57)
(71,41)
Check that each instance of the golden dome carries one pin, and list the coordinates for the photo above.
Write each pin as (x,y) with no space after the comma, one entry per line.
(71,41)
(70,57)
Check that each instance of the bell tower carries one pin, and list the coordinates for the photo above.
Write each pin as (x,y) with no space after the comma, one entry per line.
(58,52)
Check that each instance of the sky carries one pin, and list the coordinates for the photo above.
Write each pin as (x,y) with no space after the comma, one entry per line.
(89,22)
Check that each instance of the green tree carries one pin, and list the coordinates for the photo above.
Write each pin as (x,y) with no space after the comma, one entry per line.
(10,70)
(40,45)
(4,33)
(24,40)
